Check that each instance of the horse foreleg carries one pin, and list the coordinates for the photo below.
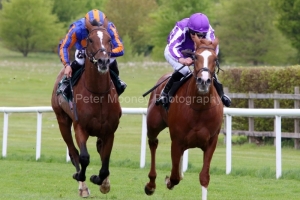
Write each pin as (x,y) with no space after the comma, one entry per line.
(102,179)
(176,154)
(84,159)
(65,124)
(204,176)
(150,186)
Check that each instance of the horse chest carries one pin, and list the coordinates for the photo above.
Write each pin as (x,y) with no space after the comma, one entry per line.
(94,126)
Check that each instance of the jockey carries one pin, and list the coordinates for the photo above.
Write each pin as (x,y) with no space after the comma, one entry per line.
(181,38)
(77,35)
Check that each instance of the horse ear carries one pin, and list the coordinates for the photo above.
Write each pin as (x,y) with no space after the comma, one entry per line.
(105,23)
(215,42)
(88,25)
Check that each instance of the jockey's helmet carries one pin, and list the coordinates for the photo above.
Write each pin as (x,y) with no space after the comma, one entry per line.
(95,14)
(198,22)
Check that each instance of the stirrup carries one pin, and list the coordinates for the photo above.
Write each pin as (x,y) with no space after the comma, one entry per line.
(226,100)
(163,99)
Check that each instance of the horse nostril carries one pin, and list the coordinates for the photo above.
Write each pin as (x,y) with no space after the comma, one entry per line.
(208,81)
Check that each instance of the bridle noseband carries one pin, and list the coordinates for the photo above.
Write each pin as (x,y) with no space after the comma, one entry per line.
(91,55)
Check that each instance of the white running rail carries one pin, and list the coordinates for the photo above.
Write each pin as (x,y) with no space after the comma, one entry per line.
(228,112)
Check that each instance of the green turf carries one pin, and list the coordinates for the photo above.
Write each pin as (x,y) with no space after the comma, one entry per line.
(29,82)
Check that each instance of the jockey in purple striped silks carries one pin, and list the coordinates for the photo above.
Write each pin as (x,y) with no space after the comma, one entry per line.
(181,38)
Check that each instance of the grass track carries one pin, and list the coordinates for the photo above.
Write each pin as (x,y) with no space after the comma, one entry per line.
(29,81)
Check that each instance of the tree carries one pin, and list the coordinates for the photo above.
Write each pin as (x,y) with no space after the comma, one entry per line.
(28,25)
(288,20)
(164,18)
(128,16)
(71,10)
(247,33)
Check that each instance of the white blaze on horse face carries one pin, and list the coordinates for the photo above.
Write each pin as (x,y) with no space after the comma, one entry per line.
(100,35)
(205,54)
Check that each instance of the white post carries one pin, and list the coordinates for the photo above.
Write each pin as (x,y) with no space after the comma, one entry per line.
(38,135)
(5,133)
(185,160)
(143,142)
(278,146)
(228,143)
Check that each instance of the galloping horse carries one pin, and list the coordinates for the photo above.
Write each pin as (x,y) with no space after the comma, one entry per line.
(194,118)
(98,111)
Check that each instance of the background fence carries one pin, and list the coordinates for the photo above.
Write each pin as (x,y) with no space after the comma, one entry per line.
(228,112)
(251,133)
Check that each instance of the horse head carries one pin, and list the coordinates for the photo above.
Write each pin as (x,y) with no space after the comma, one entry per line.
(205,63)
(99,47)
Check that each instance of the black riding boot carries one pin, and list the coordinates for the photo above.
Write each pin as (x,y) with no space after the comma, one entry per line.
(64,84)
(164,96)
(219,87)
(114,73)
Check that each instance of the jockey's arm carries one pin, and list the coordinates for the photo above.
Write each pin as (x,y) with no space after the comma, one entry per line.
(67,43)
(118,48)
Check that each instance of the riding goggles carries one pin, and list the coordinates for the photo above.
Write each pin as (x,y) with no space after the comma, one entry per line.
(199,34)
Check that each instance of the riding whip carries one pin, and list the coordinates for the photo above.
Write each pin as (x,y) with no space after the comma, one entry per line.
(154,87)
(73,101)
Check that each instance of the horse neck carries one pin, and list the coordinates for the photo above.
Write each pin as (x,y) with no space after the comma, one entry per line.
(95,81)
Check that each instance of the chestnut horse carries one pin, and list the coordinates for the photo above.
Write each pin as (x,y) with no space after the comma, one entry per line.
(194,118)
(98,111)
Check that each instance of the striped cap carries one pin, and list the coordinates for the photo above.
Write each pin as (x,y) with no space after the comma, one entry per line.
(95,14)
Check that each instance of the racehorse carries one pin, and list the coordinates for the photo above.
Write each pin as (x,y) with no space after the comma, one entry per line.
(97,111)
(194,117)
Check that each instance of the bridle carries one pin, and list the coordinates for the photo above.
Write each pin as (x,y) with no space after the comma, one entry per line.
(91,55)
(203,69)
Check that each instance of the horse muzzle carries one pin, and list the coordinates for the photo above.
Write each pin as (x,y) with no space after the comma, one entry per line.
(203,85)
(103,65)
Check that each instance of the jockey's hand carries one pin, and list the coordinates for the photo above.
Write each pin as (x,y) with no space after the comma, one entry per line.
(68,71)
(186,61)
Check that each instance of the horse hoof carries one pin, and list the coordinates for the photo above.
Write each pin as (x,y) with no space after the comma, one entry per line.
(105,186)
(83,190)
(149,191)
(168,183)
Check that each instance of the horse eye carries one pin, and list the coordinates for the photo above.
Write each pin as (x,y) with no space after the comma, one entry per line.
(90,40)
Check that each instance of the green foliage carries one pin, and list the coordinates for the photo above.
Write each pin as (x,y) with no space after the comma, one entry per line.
(261,80)
(129,55)
(71,10)
(164,19)
(28,26)
(288,18)
(239,139)
(128,17)
(247,34)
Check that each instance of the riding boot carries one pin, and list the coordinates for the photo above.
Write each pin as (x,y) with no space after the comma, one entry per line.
(64,85)
(164,96)
(219,87)
(114,72)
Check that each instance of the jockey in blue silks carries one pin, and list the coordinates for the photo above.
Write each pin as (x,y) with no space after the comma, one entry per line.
(77,36)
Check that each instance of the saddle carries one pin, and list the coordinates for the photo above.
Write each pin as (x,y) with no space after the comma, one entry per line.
(176,85)
(64,87)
